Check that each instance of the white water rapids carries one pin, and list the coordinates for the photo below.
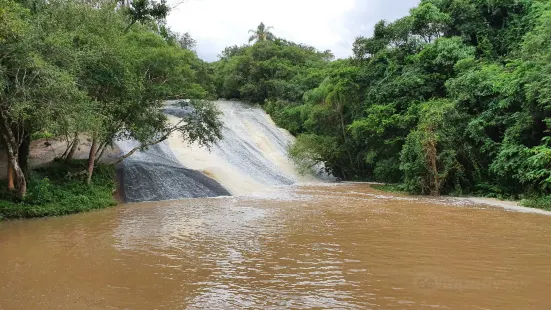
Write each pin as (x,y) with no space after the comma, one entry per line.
(252,156)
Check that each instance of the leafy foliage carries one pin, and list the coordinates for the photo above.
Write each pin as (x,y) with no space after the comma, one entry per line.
(100,69)
(51,193)
(453,98)
(261,33)
(268,70)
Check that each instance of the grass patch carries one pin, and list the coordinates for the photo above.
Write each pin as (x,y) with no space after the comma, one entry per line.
(51,193)
(543,203)
(391,188)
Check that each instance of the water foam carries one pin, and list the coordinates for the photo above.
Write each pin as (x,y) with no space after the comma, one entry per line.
(251,156)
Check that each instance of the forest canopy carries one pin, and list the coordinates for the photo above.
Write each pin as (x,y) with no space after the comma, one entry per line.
(98,70)
(453,98)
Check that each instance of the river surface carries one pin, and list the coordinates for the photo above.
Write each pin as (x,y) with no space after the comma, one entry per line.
(343,246)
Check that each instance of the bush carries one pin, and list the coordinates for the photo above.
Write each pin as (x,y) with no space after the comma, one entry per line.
(387,171)
(543,203)
(391,188)
(52,193)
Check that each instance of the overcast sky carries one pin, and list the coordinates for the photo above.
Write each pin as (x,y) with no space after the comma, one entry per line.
(323,24)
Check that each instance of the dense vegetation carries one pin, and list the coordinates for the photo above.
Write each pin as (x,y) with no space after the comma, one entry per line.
(453,98)
(96,70)
(51,193)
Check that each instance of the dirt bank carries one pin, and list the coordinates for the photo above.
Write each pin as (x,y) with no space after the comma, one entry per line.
(44,151)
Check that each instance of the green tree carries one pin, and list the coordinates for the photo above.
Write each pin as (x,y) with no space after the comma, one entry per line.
(261,33)
(144,11)
(70,69)
(35,92)
(452,98)
(429,158)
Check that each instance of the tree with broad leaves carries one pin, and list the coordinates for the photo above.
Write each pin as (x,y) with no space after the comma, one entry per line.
(144,11)
(261,33)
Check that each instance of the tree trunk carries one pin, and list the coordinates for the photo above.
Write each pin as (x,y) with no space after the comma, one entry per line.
(67,149)
(74,147)
(343,128)
(20,180)
(23,154)
(11,185)
(12,147)
(431,155)
(92,160)
(100,151)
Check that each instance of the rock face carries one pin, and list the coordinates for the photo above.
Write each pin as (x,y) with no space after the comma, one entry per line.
(155,175)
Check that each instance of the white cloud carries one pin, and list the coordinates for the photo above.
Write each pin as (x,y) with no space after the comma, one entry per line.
(323,24)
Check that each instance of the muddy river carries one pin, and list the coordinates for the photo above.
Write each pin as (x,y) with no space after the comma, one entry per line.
(343,246)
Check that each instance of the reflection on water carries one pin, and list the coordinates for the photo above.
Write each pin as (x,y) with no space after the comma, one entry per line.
(319,246)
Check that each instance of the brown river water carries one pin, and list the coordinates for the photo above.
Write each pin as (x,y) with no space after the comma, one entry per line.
(343,246)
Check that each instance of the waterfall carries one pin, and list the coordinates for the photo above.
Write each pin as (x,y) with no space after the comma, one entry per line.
(251,156)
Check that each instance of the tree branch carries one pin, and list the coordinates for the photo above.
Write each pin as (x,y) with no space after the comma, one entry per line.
(141,146)
(150,143)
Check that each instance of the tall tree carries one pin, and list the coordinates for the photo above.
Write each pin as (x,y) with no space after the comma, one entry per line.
(261,33)
(145,11)
(34,92)
(70,69)
(453,97)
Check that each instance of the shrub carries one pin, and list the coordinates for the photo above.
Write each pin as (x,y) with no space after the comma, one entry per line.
(538,203)
(52,192)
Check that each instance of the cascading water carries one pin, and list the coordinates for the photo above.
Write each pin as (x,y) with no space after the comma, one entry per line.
(251,156)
